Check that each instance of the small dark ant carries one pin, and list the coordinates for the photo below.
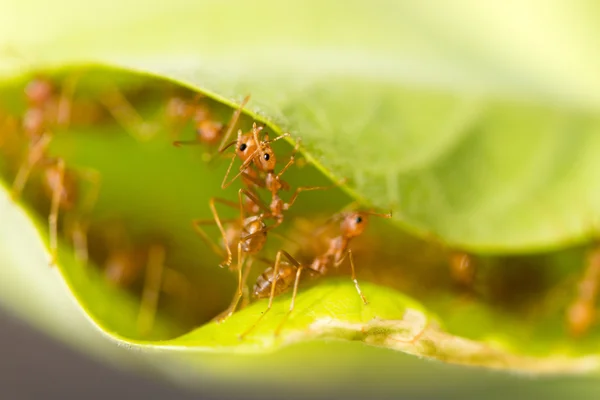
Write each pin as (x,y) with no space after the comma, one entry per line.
(278,279)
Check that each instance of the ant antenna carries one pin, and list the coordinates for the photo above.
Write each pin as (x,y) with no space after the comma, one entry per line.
(230,128)
(386,215)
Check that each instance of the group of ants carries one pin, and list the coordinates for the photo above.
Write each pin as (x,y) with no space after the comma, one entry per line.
(48,107)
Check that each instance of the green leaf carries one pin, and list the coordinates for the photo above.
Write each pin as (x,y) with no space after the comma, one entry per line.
(487,140)
(427,101)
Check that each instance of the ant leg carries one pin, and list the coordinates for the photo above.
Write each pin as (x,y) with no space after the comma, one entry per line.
(245,289)
(34,155)
(284,135)
(351,257)
(245,165)
(197,223)
(271,296)
(216,220)
(95,180)
(65,101)
(151,292)
(224,185)
(253,198)
(273,285)
(241,285)
(54,208)
(307,189)
(232,123)
(79,235)
(295,292)
(292,159)
(80,243)
(126,115)
(254,180)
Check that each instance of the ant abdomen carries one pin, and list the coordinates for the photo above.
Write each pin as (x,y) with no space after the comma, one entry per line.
(283,281)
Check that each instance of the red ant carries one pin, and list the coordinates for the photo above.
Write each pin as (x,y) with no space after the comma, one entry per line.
(250,233)
(261,155)
(125,267)
(127,264)
(278,279)
(581,313)
(43,113)
(208,131)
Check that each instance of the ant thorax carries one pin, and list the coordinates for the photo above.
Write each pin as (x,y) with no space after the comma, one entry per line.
(337,246)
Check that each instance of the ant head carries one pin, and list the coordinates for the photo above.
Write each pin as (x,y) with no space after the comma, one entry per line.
(354,223)
(38,91)
(265,159)
(246,146)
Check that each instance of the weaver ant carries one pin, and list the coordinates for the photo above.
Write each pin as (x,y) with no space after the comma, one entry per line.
(581,314)
(208,131)
(126,267)
(260,154)
(250,234)
(138,265)
(44,112)
(278,278)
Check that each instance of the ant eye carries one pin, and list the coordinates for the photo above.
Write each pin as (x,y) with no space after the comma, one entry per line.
(266,157)
(358,220)
(243,146)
